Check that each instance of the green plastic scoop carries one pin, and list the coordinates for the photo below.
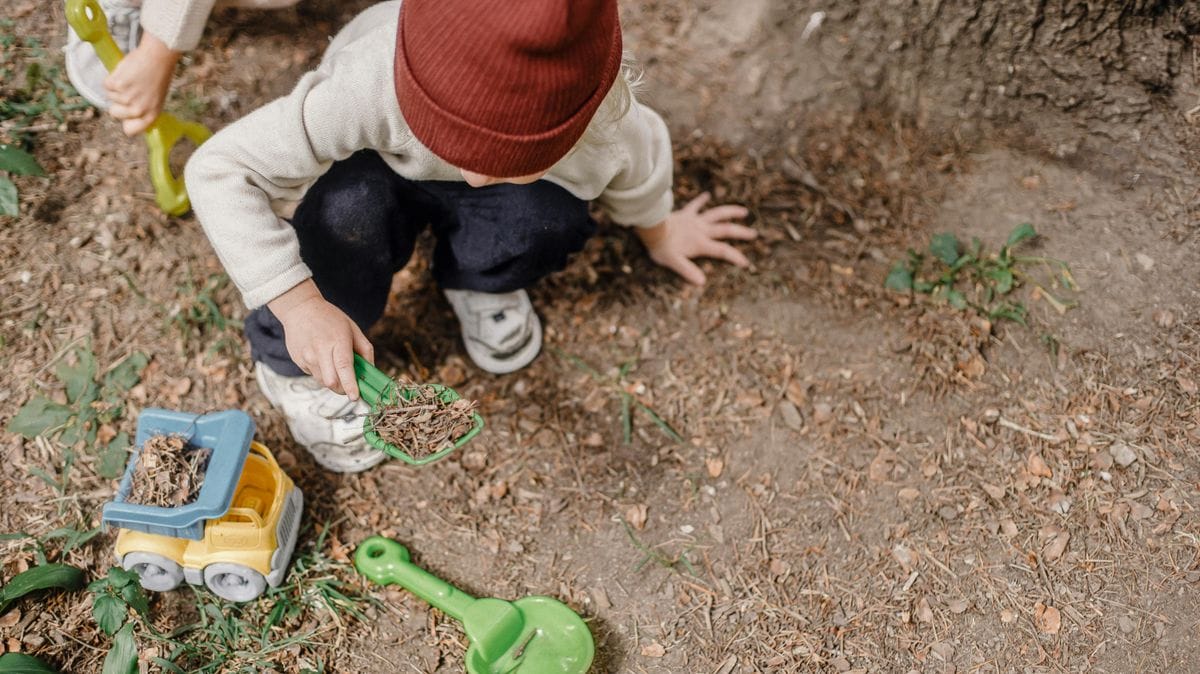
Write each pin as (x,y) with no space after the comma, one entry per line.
(533,635)
(88,20)
(378,389)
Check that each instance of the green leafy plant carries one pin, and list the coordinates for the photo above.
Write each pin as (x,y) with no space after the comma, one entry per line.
(113,596)
(37,88)
(91,401)
(629,401)
(19,663)
(971,278)
(15,161)
(34,97)
(41,577)
(122,658)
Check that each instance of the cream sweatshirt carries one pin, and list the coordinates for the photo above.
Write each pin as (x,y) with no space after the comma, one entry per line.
(178,23)
(259,167)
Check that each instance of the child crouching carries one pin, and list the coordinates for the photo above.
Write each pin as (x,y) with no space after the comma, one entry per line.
(493,126)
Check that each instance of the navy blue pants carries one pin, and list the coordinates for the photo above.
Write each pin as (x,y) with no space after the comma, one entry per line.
(359,222)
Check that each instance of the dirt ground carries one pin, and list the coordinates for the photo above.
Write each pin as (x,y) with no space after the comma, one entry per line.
(868,481)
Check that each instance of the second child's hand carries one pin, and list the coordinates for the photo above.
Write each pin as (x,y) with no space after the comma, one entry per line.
(691,233)
(138,85)
(320,338)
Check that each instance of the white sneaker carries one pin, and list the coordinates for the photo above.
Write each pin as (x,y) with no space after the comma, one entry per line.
(84,68)
(329,425)
(501,331)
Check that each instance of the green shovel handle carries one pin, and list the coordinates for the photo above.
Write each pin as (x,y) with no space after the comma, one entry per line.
(387,562)
(87,19)
(372,383)
(169,190)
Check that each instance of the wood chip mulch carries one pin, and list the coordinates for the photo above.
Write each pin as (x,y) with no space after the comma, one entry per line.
(424,424)
(169,472)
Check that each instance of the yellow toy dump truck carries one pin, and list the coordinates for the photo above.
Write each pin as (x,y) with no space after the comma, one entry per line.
(236,537)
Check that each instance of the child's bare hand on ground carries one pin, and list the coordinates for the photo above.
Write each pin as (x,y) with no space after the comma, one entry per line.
(691,233)
(138,86)
(320,338)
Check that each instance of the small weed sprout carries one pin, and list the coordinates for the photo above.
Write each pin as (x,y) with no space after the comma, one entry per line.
(970,278)
(72,537)
(197,315)
(651,554)
(629,401)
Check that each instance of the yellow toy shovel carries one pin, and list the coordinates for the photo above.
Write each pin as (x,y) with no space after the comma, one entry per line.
(88,20)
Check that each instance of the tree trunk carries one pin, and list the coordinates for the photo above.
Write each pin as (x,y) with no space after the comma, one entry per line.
(1106,62)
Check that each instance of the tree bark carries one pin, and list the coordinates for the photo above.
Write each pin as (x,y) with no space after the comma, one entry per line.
(1103,61)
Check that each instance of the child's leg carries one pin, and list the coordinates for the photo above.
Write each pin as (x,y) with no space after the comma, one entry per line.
(357,226)
(505,237)
(493,243)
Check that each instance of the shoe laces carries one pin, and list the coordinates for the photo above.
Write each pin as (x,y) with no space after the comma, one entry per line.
(346,412)
(347,415)
(492,306)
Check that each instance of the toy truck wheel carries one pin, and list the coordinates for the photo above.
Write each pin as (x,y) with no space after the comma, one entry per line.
(157,573)
(234,582)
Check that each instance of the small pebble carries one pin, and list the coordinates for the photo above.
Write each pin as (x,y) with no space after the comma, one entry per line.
(1126,624)
(943,650)
(791,416)
(822,412)
(1122,454)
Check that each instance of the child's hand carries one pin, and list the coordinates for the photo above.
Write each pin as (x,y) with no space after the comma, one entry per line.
(320,338)
(138,86)
(689,233)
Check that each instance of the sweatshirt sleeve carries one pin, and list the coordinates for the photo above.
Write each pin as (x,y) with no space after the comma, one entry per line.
(640,193)
(178,23)
(274,153)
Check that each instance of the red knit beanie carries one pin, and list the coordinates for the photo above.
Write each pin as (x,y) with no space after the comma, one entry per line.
(504,89)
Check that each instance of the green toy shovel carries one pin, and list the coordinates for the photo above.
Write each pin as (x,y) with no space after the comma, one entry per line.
(377,389)
(533,635)
(88,20)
